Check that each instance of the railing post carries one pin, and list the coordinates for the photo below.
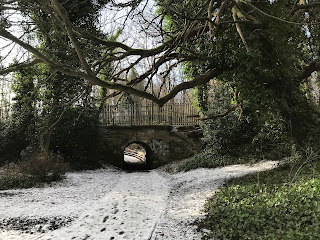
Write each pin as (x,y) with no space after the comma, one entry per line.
(170,114)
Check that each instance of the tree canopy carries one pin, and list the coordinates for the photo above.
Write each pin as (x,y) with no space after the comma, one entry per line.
(211,38)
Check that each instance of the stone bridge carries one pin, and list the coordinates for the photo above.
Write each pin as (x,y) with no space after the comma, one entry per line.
(163,144)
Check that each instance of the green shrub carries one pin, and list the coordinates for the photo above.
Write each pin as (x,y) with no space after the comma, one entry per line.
(271,140)
(251,135)
(246,132)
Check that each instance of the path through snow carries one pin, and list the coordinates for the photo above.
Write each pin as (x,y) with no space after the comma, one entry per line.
(112,204)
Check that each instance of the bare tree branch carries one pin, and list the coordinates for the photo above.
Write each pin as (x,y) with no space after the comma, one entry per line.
(26,46)
(19,66)
(107,84)
(187,85)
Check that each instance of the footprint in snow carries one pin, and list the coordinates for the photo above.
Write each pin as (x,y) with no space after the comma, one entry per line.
(105,219)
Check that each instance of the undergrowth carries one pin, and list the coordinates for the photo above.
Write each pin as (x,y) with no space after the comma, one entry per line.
(18,182)
(39,168)
(283,203)
(210,159)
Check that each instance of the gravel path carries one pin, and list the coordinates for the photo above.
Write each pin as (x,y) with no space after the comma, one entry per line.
(112,204)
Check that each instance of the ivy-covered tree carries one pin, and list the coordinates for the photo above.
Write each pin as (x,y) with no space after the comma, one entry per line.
(23,129)
(266,52)
(44,96)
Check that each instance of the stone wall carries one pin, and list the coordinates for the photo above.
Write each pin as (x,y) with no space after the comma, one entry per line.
(161,143)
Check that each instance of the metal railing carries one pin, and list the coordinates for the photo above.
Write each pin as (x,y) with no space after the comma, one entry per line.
(149,114)
(136,155)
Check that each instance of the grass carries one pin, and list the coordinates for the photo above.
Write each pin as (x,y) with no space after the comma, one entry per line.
(283,203)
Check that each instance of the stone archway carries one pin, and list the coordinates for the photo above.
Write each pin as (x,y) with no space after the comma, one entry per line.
(139,151)
(163,144)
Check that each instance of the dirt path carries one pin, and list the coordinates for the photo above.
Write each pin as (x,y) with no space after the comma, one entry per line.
(111,204)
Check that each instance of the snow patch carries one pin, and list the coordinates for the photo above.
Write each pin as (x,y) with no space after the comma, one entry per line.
(112,204)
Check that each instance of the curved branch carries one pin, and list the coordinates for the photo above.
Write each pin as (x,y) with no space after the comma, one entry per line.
(235,12)
(19,66)
(187,85)
(63,15)
(216,23)
(267,14)
(308,70)
(106,43)
(26,46)
(8,2)
(139,52)
(305,7)
(163,59)
(96,81)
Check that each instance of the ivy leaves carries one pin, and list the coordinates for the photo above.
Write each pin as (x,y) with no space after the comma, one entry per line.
(261,212)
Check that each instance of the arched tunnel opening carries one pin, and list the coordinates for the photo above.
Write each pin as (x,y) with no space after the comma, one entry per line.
(137,156)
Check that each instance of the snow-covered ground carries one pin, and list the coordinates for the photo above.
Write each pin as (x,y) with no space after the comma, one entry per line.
(113,204)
